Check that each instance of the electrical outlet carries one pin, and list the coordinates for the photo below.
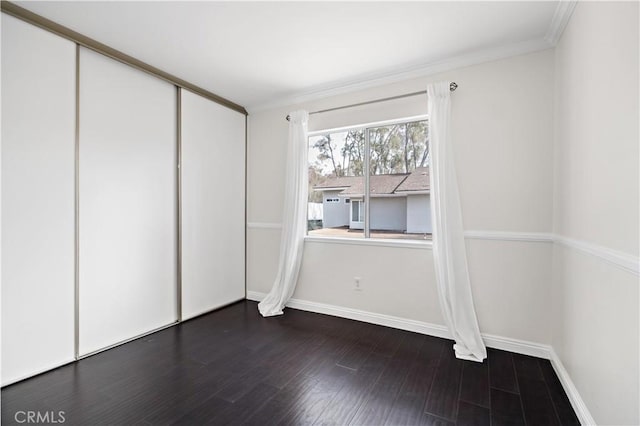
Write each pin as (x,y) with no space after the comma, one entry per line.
(357,285)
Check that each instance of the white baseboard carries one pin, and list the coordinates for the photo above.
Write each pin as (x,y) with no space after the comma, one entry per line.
(256,296)
(572,392)
(517,346)
(491,341)
(437,330)
(356,314)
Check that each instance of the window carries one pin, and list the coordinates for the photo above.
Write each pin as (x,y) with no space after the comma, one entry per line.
(380,171)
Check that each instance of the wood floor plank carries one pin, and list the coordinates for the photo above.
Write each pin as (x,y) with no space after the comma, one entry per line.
(346,402)
(251,371)
(429,420)
(185,400)
(527,367)
(506,407)
(255,399)
(475,384)
(310,406)
(297,360)
(384,392)
(277,408)
(371,335)
(536,402)
(355,356)
(432,349)
(473,415)
(443,396)
(501,421)
(241,409)
(205,413)
(388,343)
(502,371)
(408,408)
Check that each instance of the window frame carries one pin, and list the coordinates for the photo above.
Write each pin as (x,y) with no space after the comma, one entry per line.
(360,204)
(366,239)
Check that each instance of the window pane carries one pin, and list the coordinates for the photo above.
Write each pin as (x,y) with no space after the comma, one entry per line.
(336,164)
(399,181)
(355,209)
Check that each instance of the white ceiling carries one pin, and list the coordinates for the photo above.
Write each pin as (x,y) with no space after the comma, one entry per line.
(260,53)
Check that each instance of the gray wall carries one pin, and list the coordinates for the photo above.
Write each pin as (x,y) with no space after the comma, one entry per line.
(388,214)
(419,214)
(334,214)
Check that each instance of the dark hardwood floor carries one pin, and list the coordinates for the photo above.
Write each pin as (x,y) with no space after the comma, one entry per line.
(235,367)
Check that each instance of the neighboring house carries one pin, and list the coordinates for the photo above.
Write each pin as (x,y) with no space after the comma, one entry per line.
(399,202)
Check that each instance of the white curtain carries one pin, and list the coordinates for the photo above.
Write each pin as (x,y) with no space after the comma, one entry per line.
(294,223)
(449,253)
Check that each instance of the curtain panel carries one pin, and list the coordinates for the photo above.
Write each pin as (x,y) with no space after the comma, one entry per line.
(294,223)
(449,251)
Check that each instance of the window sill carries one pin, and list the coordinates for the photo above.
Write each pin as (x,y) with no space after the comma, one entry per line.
(414,244)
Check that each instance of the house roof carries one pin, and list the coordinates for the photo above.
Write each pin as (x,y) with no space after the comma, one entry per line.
(418,180)
(378,185)
(338,182)
(398,183)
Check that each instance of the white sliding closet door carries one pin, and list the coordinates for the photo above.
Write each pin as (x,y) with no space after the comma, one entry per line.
(213,199)
(38,151)
(128,196)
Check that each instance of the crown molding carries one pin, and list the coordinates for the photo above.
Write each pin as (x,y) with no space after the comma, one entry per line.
(561,17)
(393,75)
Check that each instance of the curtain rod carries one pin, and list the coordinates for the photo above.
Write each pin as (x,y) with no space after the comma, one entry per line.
(453,86)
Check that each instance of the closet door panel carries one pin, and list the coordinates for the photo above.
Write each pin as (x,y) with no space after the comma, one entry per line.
(213,205)
(128,202)
(38,151)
